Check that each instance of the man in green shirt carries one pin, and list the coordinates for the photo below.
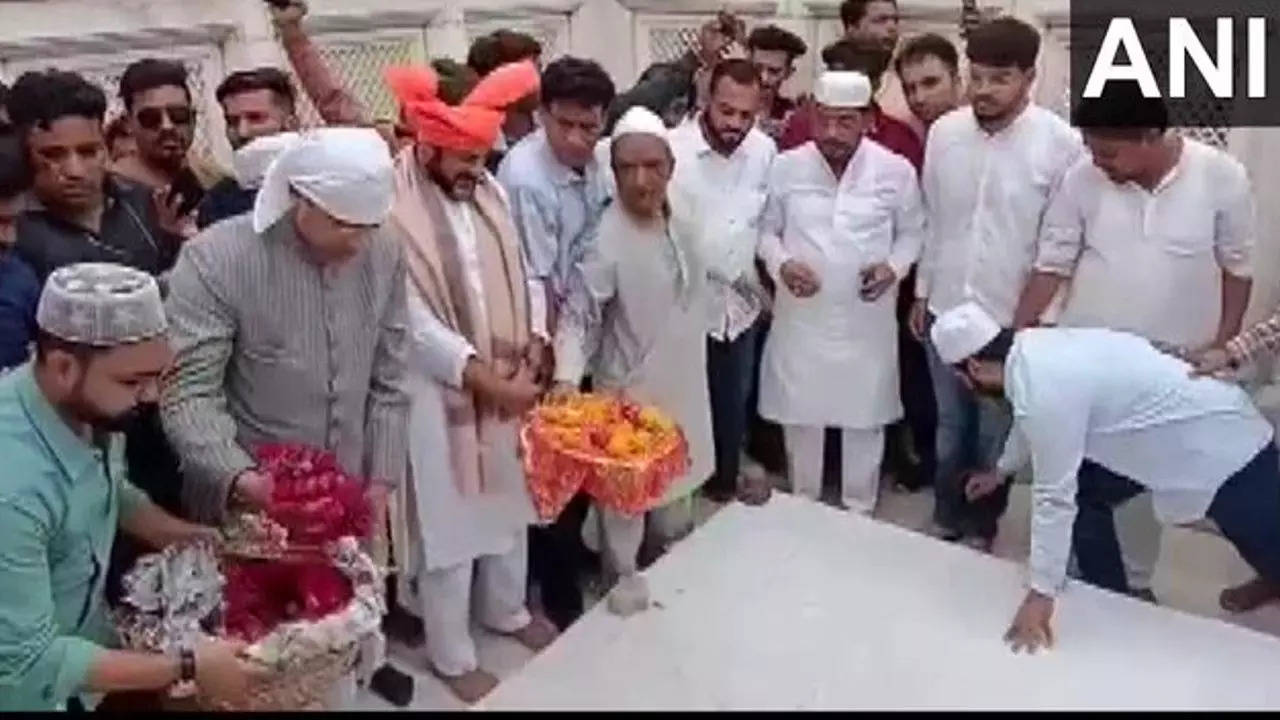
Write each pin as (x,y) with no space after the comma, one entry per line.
(63,494)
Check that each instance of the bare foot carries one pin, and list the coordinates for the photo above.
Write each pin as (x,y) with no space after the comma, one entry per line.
(981,544)
(470,687)
(1249,596)
(629,596)
(538,634)
(755,489)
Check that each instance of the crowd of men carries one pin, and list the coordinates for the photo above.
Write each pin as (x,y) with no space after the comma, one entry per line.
(908,277)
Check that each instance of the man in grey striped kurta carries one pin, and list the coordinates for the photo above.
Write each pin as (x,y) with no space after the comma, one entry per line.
(271,347)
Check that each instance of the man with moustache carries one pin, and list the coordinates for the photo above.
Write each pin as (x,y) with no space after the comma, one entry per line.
(162,121)
(843,225)
(636,320)
(66,497)
(255,103)
(723,160)
(990,170)
(288,325)
(475,353)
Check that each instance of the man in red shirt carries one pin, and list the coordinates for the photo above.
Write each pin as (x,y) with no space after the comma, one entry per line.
(870,59)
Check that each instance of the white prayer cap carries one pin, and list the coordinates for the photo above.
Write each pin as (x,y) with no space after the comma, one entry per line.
(101,304)
(961,332)
(843,89)
(640,119)
(251,161)
(346,171)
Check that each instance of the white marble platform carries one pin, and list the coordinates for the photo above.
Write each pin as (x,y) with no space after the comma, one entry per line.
(797,605)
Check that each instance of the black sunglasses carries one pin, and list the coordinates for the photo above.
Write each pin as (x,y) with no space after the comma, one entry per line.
(152,118)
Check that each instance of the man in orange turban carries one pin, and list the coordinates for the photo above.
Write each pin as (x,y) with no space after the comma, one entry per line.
(478,348)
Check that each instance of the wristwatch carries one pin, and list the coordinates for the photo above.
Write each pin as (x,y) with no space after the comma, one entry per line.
(186,665)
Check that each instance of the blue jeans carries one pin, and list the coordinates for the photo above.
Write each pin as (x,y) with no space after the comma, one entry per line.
(731,367)
(1246,509)
(971,432)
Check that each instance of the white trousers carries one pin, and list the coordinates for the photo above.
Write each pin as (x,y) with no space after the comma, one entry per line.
(860,455)
(500,605)
(1138,532)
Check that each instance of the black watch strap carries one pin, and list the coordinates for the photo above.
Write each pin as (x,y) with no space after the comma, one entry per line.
(187,665)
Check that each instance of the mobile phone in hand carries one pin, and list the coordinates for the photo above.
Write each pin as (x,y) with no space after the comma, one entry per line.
(186,191)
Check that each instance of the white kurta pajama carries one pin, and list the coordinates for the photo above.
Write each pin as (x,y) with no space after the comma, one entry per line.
(461,537)
(832,359)
(639,312)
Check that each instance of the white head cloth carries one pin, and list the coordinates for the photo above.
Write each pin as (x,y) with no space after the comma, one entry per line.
(251,161)
(346,171)
(101,304)
(962,331)
(641,120)
(843,89)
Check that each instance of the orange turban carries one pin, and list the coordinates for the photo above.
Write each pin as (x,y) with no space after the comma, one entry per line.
(472,125)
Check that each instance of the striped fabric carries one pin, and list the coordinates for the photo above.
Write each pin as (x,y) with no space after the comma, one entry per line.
(272,348)
(1261,338)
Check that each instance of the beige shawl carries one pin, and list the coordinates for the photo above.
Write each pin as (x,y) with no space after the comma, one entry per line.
(498,329)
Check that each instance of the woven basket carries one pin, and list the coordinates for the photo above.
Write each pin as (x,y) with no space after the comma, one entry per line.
(305,683)
(308,686)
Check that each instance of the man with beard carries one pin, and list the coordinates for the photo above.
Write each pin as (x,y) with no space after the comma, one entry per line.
(636,319)
(723,161)
(162,120)
(255,103)
(80,212)
(65,494)
(990,171)
(844,224)
(1147,198)
(557,194)
(773,52)
(871,60)
(476,351)
(288,325)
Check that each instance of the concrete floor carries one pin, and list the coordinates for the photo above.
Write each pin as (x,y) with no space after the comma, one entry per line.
(1194,566)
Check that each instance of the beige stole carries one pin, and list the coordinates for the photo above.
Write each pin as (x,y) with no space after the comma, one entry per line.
(499,331)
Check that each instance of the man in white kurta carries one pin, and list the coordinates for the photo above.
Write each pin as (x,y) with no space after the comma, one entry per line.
(637,316)
(475,345)
(1152,234)
(843,225)
(723,161)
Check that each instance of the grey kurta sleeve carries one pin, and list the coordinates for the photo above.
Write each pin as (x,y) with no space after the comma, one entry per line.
(193,402)
(592,286)
(387,416)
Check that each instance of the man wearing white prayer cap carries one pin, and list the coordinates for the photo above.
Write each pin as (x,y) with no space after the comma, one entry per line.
(636,320)
(100,353)
(1102,416)
(842,226)
(288,325)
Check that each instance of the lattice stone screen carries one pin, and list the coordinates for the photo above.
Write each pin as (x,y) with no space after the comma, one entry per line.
(204,70)
(359,61)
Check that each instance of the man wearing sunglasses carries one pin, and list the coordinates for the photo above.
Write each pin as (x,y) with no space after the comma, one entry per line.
(162,119)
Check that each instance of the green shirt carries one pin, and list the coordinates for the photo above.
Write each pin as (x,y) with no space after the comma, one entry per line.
(60,502)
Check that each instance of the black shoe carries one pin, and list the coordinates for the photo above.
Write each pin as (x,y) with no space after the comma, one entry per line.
(401,626)
(392,685)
